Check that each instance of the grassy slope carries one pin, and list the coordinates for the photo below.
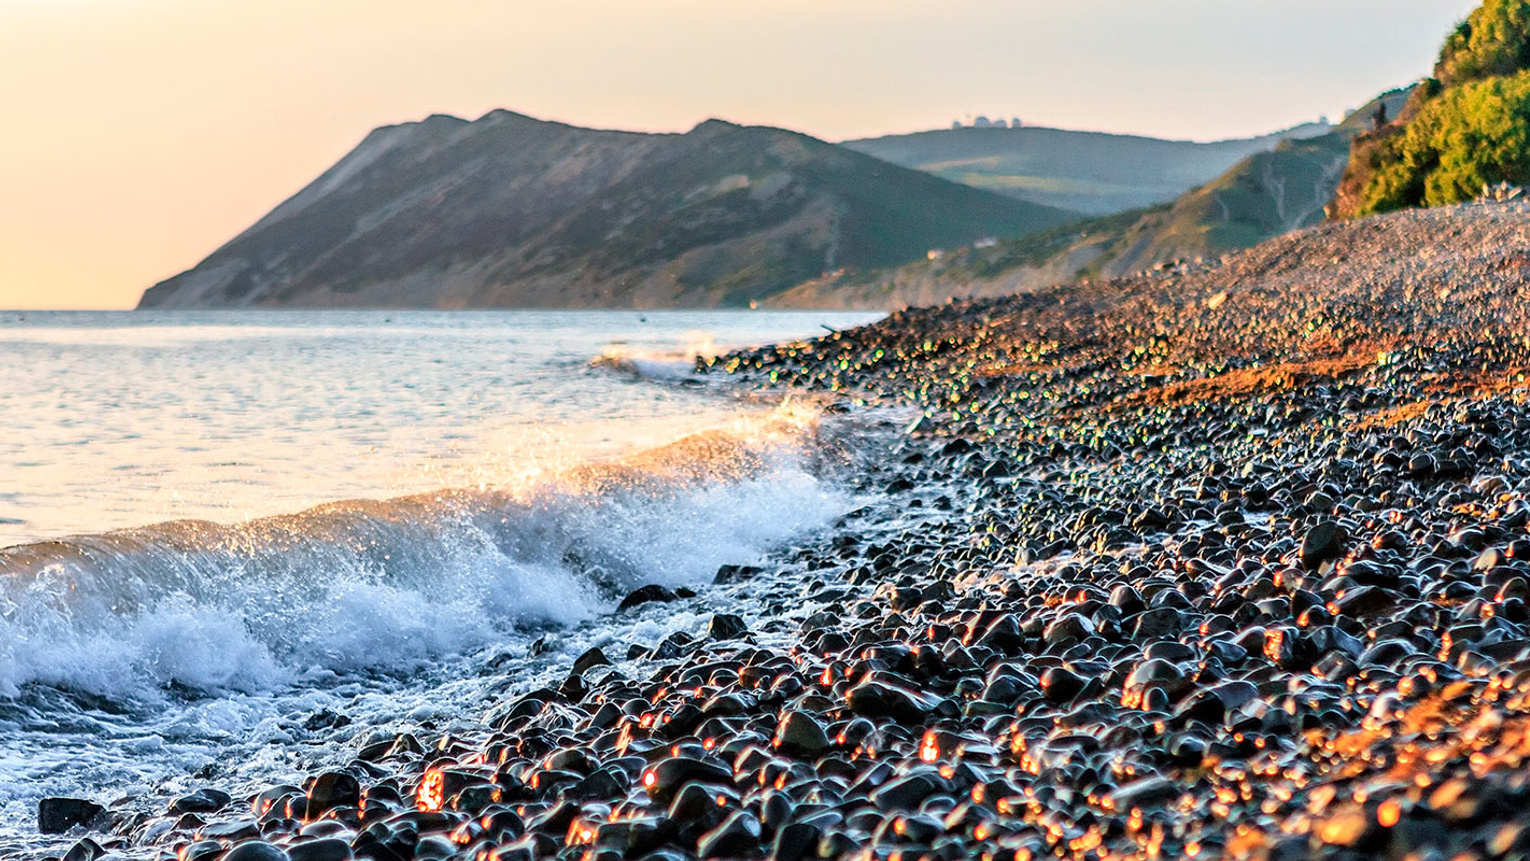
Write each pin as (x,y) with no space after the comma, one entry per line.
(1262,196)
(510,211)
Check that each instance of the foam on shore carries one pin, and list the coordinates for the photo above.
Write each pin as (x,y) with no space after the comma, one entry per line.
(388,585)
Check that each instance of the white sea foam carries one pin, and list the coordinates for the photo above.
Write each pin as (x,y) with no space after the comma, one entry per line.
(387,586)
(149,661)
(670,364)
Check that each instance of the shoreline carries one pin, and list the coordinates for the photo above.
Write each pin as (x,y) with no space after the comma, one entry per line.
(1228,561)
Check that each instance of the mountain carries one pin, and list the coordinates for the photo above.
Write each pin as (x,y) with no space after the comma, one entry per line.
(1088,172)
(1264,195)
(511,211)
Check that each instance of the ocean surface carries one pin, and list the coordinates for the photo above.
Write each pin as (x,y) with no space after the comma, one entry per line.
(219,528)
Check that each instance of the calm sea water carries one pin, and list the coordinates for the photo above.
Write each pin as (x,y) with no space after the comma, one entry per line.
(213,524)
(113,420)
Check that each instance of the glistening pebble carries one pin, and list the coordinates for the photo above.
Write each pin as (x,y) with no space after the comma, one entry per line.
(1144,575)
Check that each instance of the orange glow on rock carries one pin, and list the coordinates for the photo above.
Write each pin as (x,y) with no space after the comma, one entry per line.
(579,833)
(431,796)
(1273,641)
(929,748)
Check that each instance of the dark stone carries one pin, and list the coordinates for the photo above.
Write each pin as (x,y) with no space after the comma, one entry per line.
(799,732)
(324,849)
(601,783)
(666,776)
(325,719)
(1212,704)
(876,699)
(794,841)
(256,850)
(330,790)
(676,644)
(591,658)
(1061,685)
(202,850)
(57,815)
(695,808)
(737,837)
(645,595)
(1145,793)
(1324,541)
(736,573)
(904,793)
(1366,601)
(233,831)
(84,849)
(726,626)
(202,801)
(1157,622)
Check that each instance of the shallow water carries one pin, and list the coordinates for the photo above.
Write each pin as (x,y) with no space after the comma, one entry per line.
(118,419)
(476,477)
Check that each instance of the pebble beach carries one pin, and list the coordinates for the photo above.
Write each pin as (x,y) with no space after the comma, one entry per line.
(1228,559)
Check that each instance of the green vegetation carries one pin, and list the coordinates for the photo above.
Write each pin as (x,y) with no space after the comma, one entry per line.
(1470,135)
(1467,127)
(1493,41)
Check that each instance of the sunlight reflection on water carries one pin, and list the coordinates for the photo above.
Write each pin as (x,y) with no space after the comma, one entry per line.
(117,419)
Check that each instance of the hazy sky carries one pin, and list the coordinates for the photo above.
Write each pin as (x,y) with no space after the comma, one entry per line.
(138,135)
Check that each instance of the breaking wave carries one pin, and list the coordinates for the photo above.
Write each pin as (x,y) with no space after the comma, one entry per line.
(387,586)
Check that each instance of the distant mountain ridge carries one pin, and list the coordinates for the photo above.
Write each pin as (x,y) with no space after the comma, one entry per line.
(1091,172)
(1264,195)
(511,211)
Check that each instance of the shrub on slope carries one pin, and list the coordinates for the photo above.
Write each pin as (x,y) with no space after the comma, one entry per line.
(1466,127)
(1475,133)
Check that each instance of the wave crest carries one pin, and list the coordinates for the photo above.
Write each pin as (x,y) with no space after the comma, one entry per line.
(388,584)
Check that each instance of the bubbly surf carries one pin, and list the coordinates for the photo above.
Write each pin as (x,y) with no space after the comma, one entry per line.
(364,585)
(398,533)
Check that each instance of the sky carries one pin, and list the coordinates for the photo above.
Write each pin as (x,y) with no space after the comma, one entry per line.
(138,135)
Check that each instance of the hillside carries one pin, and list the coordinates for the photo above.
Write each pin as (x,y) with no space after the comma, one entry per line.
(510,211)
(1263,196)
(1466,128)
(1088,172)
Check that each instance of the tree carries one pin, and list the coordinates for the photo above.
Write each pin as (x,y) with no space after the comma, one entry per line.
(1469,136)
(1493,41)
(1467,127)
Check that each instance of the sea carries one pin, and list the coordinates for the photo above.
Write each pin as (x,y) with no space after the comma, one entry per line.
(222,534)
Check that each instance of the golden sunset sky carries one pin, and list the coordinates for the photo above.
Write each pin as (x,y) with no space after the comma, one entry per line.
(138,135)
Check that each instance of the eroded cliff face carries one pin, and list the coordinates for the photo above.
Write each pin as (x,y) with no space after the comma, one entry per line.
(509,211)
